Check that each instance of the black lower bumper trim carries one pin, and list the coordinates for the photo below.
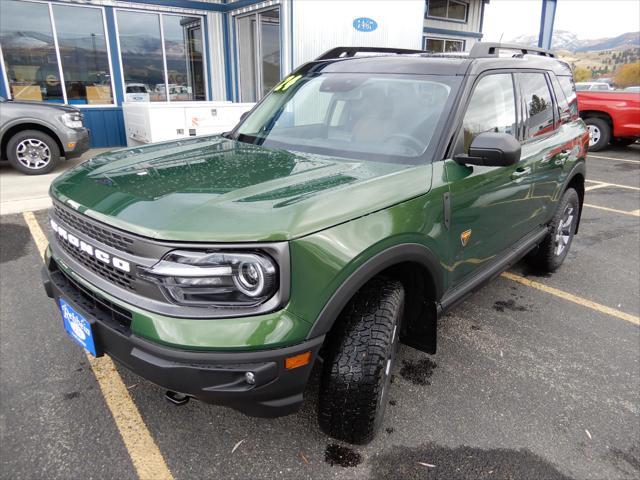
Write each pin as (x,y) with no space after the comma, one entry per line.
(213,377)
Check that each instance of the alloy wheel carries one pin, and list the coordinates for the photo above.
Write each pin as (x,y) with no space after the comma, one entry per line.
(33,153)
(564,230)
(594,135)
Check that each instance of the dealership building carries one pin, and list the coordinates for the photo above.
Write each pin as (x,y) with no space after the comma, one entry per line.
(100,54)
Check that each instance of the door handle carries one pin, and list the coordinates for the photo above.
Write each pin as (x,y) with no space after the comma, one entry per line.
(520,173)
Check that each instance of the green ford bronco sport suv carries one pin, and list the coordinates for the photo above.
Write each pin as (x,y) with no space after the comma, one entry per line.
(370,191)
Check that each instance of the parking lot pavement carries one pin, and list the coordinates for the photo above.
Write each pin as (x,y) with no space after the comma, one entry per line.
(23,193)
(525,384)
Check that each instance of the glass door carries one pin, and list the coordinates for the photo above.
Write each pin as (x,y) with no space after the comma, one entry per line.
(258,40)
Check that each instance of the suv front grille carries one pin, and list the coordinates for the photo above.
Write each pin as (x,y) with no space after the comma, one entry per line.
(108,237)
(106,271)
(94,304)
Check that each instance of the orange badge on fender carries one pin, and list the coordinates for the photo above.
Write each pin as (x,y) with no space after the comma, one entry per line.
(464,237)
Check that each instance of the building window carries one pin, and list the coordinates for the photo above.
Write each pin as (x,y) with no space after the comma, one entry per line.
(162,57)
(258,41)
(76,72)
(443,45)
(447,9)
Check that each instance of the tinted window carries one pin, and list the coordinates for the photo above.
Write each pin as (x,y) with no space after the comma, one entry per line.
(83,52)
(29,52)
(492,108)
(566,96)
(538,104)
(183,49)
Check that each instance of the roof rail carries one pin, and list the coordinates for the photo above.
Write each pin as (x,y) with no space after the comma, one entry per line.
(489,49)
(344,52)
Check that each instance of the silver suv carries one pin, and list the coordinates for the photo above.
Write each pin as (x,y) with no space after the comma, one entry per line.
(34,135)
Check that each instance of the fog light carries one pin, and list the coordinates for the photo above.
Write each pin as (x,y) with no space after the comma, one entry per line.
(250,378)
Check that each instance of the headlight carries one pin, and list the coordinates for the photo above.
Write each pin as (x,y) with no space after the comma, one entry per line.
(215,279)
(72,120)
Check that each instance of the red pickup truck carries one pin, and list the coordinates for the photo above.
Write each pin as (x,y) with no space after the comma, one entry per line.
(611,116)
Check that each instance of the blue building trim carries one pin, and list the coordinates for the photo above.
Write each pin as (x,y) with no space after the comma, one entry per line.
(206,49)
(484,4)
(3,87)
(227,56)
(547,19)
(213,7)
(457,33)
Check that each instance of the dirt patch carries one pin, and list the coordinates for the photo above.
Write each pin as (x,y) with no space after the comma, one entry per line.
(418,372)
(437,462)
(502,305)
(341,456)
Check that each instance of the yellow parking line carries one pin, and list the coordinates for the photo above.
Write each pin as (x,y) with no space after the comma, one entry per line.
(612,158)
(616,185)
(633,213)
(573,298)
(144,453)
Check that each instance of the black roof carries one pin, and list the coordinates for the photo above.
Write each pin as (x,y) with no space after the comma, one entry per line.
(484,56)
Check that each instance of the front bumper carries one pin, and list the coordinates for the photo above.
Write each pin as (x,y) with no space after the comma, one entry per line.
(76,143)
(213,377)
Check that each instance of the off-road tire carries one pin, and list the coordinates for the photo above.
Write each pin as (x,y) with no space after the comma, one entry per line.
(545,258)
(38,138)
(605,133)
(358,361)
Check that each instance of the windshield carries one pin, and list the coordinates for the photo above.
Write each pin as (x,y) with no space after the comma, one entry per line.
(388,118)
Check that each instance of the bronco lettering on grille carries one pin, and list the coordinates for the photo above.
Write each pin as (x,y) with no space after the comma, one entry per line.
(89,249)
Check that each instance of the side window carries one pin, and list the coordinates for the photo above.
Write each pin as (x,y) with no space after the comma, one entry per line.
(538,104)
(566,97)
(492,108)
(569,89)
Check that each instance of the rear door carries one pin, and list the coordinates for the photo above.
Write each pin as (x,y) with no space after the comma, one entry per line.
(490,206)
(547,143)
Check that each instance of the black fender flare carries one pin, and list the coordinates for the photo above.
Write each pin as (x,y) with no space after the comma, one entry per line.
(400,253)
(579,168)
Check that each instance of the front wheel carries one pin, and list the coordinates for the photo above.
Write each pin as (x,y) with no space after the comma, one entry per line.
(358,362)
(554,248)
(599,133)
(33,152)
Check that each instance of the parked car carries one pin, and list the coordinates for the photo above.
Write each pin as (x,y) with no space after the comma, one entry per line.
(361,199)
(590,86)
(137,92)
(35,135)
(612,117)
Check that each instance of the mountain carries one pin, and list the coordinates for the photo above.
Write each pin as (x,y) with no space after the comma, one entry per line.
(564,40)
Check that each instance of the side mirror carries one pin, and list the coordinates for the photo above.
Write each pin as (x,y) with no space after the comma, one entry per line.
(491,150)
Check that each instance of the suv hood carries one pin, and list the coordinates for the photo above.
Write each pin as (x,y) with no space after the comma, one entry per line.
(38,105)
(218,190)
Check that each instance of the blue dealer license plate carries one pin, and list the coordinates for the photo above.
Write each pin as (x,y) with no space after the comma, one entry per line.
(77,327)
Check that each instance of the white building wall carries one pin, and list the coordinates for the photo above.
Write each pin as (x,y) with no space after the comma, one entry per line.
(319,25)
(473,24)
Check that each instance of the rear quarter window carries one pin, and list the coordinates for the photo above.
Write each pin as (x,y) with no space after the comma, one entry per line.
(569,91)
(538,103)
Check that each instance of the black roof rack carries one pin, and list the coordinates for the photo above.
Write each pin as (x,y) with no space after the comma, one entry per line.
(344,52)
(489,49)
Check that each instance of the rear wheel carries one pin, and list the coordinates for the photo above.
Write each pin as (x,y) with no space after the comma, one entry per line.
(599,133)
(358,362)
(554,248)
(33,152)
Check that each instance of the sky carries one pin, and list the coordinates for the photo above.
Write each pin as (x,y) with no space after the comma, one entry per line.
(588,19)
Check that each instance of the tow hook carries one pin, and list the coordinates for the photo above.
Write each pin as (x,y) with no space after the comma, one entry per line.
(176,398)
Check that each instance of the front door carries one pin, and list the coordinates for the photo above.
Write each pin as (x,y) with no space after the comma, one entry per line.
(490,206)
(258,41)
